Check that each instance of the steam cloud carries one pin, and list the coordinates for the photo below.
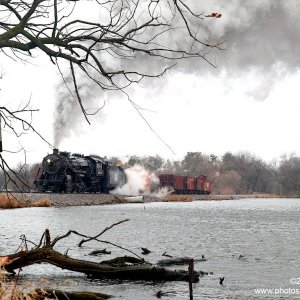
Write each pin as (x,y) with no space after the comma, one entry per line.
(68,116)
(260,37)
(141,182)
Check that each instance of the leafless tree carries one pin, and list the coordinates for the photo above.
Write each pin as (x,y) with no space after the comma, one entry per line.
(227,183)
(125,30)
(289,175)
(197,163)
(17,122)
(110,48)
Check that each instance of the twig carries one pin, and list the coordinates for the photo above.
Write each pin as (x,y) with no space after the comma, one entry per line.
(103,231)
(95,238)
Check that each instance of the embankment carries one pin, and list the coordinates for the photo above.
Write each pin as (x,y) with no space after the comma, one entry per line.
(17,200)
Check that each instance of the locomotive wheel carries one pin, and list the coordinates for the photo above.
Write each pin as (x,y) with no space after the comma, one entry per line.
(79,187)
(76,185)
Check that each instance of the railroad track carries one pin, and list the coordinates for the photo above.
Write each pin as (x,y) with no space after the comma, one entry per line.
(50,193)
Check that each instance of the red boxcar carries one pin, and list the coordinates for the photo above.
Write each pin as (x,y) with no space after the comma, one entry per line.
(190,184)
(200,181)
(179,183)
(186,184)
(174,182)
(167,180)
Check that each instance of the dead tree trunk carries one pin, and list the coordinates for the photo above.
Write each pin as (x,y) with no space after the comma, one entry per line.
(129,268)
(121,270)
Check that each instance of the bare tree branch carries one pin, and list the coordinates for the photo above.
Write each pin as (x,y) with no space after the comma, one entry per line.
(104,47)
(103,231)
(127,29)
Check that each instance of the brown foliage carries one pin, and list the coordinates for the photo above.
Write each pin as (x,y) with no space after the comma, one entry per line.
(9,202)
(41,203)
(228,183)
(178,198)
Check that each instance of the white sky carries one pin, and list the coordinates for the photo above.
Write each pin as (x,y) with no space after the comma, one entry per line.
(210,112)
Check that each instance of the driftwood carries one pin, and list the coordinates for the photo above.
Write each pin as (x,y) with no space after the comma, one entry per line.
(177,261)
(132,271)
(167,255)
(129,268)
(160,293)
(99,252)
(41,294)
(145,251)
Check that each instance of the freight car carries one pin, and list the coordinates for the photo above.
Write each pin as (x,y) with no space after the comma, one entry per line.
(186,184)
(69,173)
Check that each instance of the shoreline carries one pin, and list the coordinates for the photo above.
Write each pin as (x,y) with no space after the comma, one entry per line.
(64,200)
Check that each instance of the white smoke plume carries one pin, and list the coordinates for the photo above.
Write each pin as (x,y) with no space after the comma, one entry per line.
(260,37)
(68,116)
(139,182)
(162,192)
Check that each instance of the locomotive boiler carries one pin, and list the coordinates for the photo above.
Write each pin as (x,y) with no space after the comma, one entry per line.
(69,173)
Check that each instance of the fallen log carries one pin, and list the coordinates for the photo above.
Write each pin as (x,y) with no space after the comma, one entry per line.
(121,268)
(106,270)
(128,268)
(99,252)
(41,294)
(177,261)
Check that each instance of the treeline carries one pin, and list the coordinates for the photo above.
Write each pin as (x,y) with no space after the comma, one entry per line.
(241,173)
(20,178)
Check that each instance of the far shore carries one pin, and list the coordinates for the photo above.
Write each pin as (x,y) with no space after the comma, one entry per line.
(19,200)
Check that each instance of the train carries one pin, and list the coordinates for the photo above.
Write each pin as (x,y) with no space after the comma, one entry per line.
(186,184)
(63,172)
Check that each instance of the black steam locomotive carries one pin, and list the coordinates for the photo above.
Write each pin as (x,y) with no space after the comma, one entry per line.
(76,173)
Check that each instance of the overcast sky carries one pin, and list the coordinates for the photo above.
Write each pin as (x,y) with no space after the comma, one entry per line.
(250,102)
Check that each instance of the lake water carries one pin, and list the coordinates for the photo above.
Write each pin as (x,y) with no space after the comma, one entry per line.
(254,243)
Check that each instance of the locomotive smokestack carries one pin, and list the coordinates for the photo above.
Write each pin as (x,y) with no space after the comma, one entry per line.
(55,151)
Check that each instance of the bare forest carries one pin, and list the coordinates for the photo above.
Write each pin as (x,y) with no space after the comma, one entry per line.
(241,173)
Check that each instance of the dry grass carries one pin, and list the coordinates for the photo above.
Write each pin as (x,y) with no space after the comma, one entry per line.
(189,198)
(41,203)
(267,196)
(9,291)
(9,202)
(178,198)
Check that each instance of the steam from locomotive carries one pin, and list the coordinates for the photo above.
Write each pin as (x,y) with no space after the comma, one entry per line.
(69,173)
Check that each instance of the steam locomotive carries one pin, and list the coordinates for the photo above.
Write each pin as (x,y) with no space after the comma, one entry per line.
(76,173)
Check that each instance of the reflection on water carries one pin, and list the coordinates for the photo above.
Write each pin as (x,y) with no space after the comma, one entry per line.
(253,243)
